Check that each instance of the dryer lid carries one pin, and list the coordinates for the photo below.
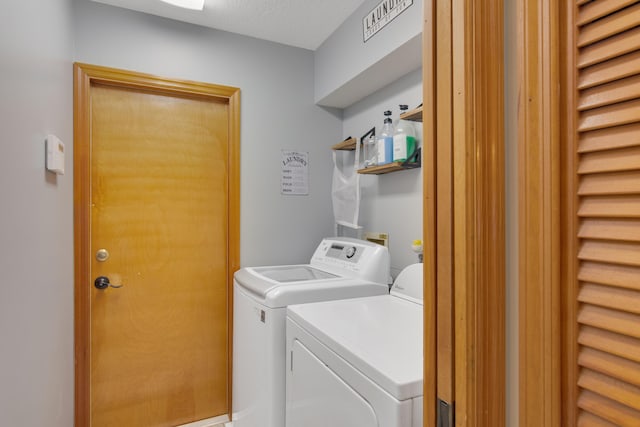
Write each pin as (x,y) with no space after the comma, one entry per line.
(408,284)
(381,336)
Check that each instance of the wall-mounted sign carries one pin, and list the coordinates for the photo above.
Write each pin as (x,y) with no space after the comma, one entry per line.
(381,15)
(295,173)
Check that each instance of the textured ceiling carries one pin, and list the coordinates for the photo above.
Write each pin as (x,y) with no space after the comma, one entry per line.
(300,23)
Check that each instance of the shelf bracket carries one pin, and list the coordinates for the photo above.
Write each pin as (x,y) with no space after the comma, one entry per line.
(371,132)
(414,160)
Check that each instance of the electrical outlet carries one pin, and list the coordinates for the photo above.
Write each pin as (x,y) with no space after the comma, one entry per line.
(379,238)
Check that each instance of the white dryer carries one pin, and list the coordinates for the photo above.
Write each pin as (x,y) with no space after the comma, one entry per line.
(340,268)
(357,362)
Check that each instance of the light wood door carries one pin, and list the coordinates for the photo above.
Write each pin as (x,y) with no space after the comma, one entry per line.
(464,213)
(579,187)
(159,206)
(603,230)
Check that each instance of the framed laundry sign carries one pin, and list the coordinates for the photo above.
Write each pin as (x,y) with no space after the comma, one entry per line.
(294,179)
(381,15)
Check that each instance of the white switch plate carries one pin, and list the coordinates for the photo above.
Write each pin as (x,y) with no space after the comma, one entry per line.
(55,154)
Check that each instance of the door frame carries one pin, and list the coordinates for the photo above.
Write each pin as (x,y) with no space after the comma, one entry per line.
(548,247)
(84,76)
(544,200)
(464,210)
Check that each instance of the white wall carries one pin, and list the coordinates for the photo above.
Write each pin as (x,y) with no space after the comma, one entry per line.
(278,112)
(391,203)
(36,216)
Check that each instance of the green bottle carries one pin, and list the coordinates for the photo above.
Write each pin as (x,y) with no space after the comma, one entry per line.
(404,139)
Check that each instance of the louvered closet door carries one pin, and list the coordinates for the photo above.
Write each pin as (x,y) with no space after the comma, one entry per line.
(608,78)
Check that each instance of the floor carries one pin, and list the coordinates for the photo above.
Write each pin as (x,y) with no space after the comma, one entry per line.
(209,423)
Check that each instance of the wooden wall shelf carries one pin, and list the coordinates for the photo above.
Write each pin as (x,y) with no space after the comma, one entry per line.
(414,162)
(414,115)
(348,144)
(382,169)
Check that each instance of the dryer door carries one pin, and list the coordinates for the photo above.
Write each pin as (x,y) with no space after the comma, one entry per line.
(319,398)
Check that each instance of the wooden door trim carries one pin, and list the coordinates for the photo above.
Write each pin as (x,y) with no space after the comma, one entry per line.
(479,211)
(429,215)
(540,207)
(463,94)
(84,76)
(445,209)
(569,224)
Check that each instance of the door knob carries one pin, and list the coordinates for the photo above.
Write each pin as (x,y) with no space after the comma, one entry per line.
(102,282)
(102,255)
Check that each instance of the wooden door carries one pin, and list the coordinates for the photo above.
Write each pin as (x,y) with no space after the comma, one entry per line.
(579,183)
(155,206)
(603,215)
(463,149)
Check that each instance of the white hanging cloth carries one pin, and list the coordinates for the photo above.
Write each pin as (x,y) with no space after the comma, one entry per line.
(345,191)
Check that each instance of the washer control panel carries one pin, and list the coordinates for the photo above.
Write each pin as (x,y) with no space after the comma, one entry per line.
(346,252)
(352,257)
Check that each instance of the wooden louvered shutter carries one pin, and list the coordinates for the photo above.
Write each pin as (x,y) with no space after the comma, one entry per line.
(607,47)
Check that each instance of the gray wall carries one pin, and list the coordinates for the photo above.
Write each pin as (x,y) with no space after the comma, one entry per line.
(38,43)
(36,215)
(391,203)
(278,112)
(348,69)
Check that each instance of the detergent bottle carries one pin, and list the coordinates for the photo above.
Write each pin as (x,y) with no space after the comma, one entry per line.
(404,139)
(385,141)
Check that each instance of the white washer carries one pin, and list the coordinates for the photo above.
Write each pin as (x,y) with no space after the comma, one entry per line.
(357,362)
(340,268)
